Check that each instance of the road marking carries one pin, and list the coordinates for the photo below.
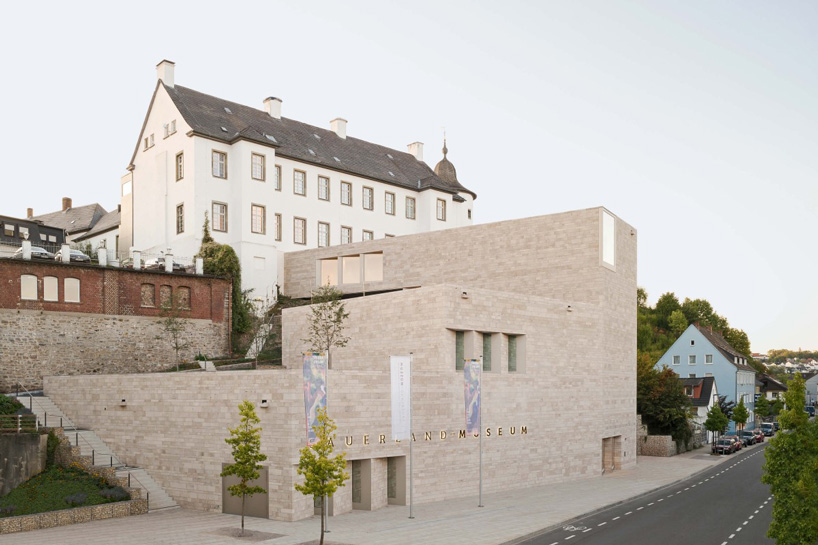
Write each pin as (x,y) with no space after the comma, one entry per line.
(628,513)
(555,543)
(602,524)
(588,530)
(738,529)
(639,508)
(745,523)
(756,511)
(751,516)
(615,518)
(686,489)
(700,482)
(651,503)
(570,537)
(731,536)
(661,499)
(670,496)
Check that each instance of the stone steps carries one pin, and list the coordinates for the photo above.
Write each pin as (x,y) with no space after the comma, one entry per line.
(156,496)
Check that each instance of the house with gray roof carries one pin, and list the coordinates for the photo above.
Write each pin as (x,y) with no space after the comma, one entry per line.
(703,394)
(703,352)
(269,184)
(75,221)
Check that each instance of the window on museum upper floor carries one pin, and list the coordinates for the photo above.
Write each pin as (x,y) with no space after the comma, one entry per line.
(459,349)
(258,219)
(219,164)
(180,166)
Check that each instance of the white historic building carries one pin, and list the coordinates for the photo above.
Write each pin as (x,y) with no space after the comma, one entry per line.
(270,184)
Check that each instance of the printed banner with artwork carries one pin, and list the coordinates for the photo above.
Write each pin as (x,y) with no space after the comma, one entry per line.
(401,403)
(315,390)
(471,387)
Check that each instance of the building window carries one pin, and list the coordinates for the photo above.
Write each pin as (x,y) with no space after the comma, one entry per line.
(147,296)
(459,349)
(126,188)
(468,213)
(708,358)
(323,234)
(608,239)
(346,235)
(323,188)
(50,289)
(389,203)
(8,229)
(258,219)
(346,193)
(299,230)
(219,164)
(299,182)
(368,198)
(180,166)
(512,353)
(149,141)
(373,267)
(172,127)
(165,297)
(278,178)
(691,359)
(486,351)
(692,342)
(220,217)
(441,210)
(329,272)
(351,269)
(367,235)
(71,290)
(257,167)
(677,360)
(28,287)
(180,219)
(183,298)
(689,391)
(278,226)
(410,208)
(23,234)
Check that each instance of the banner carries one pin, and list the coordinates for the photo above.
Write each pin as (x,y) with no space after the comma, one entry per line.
(315,390)
(401,402)
(471,387)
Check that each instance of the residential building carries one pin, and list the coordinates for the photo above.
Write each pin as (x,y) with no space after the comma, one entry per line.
(75,221)
(13,231)
(104,234)
(270,184)
(770,388)
(703,395)
(811,383)
(701,352)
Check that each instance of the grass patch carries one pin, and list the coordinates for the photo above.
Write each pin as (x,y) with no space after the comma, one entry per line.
(59,488)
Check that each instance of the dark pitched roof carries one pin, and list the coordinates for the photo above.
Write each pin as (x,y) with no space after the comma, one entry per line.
(209,116)
(75,219)
(724,347)
(706,393)
(106,223)
(769,384)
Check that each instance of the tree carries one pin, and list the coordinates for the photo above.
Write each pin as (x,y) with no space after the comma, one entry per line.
(777,407)
(641,298)
(326,321)
(245,442)
(762,407)
(261,325)
(716,421)
(663,404)
(791,470)
(677,322)
(726,407)
(665,306)
(206,237)
(740,415)
(174,326)
(323,473)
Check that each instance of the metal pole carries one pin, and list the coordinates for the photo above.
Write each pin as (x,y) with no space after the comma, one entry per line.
(480,419)
(411,460)
(326,498)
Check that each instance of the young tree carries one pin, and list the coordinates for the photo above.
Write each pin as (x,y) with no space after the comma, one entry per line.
(661,400)
(245,442)
(677,322)
(790,470)
(716,421)
(777,407)
(740,415)
(762,407)
(174,327)
(326,322)
(322,472)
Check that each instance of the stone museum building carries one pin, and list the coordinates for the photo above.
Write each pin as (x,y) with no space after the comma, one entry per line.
(548,302)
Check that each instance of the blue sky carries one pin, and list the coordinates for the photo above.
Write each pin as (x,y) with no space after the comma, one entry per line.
(695,121)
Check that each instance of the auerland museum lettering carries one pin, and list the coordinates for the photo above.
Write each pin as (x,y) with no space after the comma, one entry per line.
(548,303)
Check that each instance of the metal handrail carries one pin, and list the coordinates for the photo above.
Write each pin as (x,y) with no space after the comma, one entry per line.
(145,488)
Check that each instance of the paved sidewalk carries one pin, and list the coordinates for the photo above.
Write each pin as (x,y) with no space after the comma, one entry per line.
(504,517)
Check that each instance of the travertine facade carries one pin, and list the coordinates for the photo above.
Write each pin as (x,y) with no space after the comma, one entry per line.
(548,284)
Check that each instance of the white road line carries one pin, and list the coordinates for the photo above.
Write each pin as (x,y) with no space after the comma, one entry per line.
(745,523)
(570,537)
(731,536)
(738,529)
(555,543)
(756,512)
(751,516)
(588,530)
(700,482)
(686,489)
(661,499)
(602,524)
(616,518)
(639,508)
(651,503)
(628,513)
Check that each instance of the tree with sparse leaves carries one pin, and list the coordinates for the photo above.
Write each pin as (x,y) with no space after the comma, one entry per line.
(323,473)
(245,442)
(326,322)
(791,470)
(174,326)
(740,415)
(716,421)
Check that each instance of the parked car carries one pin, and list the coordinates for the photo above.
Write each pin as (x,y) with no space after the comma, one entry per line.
(759,435)
(128,263)
(723,446)
(735,438)
(810,410)
(158,264)
(75,256)
(776,426)
(768,429)
(36,253)
(748,436)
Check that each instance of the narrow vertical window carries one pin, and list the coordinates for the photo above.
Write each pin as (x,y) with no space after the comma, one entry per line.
(278,226)
(258,219)
(323,234)
(50,288)
(410,208)
(180,219)
(257,167)
(219,217)
(441,210)
(299,230)
(459,350)
(346,235)
(368,195)
(299,182)
(389,203)
(180,166)
(486,351)
(71,290)
(512,353)
(219,164)
(346,193)
(323,188)
(278,178)
(608,239)
(28,287)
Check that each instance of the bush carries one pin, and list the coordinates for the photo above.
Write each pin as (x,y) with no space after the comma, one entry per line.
(75,500)
(9,405)
(8,510)
(51,448)
(117,493)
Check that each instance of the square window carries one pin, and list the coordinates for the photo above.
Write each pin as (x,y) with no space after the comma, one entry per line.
(323,188)
(278,178)
(691,359)
(299,182)
(329,272)
(410,208)
(346,193)
(180,166)
(441,210)
(299,230)
(346,235)
(368,197)
(8,229)
(258,219)
(389,203)
(278,226)
(708,358)
(219,164)
(220,217)
(367,235)
(180,219)
(257,167)
(323,234)
(71,290)
(677,360)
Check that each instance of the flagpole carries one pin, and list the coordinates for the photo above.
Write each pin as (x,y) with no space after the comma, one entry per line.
(411,472)
(326,498)
(480,419)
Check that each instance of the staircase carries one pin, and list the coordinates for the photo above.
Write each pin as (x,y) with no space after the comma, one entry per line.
(49,414)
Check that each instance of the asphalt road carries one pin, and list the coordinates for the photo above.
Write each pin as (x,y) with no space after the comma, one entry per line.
(727,505)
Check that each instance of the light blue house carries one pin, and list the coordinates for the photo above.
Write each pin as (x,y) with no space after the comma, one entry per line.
(703,352)
(811,384)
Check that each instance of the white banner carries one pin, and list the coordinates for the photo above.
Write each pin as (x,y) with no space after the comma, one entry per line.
(401,402)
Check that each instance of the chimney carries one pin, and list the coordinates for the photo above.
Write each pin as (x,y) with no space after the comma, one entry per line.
(66,203)
(164,72)
(339,127)
(272,106)
(29,213)
(416,149)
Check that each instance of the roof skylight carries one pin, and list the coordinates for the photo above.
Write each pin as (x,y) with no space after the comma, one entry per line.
(226,109)
(271,138)
(311,152)
(390,173)
(316,136)
(390,156)
(336,159)
(224,129)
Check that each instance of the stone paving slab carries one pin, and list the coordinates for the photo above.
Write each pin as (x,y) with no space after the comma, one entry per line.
(504,517)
